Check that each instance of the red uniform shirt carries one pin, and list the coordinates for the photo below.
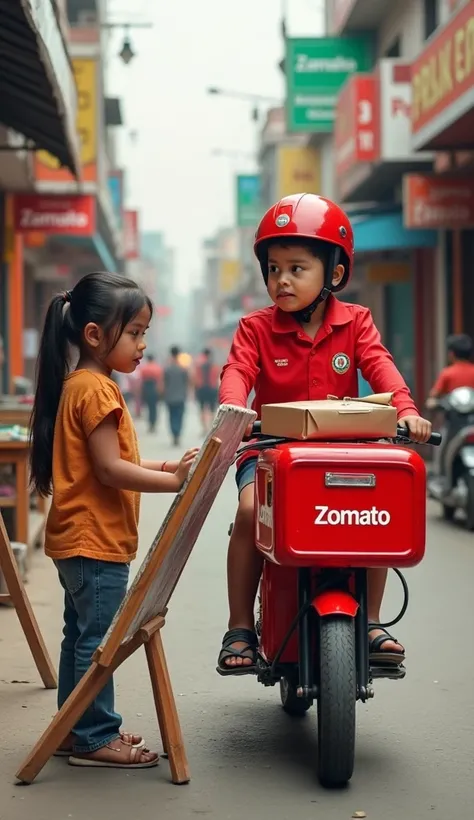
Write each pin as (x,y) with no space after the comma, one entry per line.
(458,374)
(272,354)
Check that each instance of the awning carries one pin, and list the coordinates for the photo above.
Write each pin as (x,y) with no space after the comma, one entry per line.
(386,232)
(37,88)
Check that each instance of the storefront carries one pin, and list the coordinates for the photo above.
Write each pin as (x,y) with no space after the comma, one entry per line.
(443,121)
(38,107)
(373,149)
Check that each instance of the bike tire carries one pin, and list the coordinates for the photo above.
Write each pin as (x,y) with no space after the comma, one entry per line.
(337,695)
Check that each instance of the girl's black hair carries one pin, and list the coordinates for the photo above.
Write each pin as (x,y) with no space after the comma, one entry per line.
(106,299)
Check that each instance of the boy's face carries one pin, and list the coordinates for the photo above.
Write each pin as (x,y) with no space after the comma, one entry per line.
(296,277)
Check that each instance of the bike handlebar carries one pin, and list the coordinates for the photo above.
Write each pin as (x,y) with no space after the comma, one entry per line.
(402,432)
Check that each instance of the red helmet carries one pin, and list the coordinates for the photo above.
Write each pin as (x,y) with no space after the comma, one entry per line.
(312,217)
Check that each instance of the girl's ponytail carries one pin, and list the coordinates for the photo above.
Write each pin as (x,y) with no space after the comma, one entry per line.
(51,368)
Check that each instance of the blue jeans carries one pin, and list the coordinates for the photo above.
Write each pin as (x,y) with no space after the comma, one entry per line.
(93,593)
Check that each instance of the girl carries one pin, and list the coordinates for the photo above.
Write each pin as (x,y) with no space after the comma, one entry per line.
(85,453)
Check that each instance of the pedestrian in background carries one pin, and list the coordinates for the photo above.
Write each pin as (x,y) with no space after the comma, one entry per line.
(176,388)
(206,376)
(151,375)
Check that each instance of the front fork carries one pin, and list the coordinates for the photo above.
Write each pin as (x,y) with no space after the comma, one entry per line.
(307,687)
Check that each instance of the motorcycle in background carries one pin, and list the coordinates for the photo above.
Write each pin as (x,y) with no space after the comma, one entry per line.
(452,482)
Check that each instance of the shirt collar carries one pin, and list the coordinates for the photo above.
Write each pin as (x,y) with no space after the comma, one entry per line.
(337,313)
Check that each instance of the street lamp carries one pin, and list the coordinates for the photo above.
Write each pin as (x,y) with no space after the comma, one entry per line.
(243,95)
(256,99)
(126,53)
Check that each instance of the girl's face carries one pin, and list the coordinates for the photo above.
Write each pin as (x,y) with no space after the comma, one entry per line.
(296,277)
(128,352)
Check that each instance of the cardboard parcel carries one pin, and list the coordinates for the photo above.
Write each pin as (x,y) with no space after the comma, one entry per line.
(332,419)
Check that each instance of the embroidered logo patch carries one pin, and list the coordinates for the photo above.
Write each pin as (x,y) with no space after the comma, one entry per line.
(281,362)
(341,363)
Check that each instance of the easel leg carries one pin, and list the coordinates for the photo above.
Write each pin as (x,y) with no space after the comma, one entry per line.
(62,724)
(166,710)
(24,611)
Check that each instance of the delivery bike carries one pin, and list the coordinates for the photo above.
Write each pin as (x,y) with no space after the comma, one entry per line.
(324,513)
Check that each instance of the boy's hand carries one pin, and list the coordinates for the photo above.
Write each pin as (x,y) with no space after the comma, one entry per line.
(185,465)
(419,429)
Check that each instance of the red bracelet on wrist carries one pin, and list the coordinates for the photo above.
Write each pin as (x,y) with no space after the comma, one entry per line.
(163,467)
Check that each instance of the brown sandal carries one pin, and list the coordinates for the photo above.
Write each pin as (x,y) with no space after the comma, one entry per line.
(66,748)
(106,758)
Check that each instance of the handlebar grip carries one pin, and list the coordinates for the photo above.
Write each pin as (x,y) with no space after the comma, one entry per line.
(257,427)
(435,439)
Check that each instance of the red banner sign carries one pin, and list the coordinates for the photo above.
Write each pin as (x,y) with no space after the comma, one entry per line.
(48,214)
(438,202)
(444,71)
(357,128)
(131,241)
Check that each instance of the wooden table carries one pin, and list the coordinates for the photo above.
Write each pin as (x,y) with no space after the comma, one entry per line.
(17,453)
(29,526)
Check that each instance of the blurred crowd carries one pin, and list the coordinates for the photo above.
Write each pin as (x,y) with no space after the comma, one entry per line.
(154,387)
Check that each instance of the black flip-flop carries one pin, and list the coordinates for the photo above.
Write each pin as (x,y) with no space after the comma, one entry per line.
(238,635)
(376,653)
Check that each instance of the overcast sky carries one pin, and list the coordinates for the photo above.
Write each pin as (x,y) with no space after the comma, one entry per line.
(173,179)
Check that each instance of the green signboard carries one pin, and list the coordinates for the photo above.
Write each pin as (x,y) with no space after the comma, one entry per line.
(249,208)
(316,70)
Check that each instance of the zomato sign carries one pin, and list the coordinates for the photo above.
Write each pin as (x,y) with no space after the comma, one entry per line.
(438,202)
(67,215)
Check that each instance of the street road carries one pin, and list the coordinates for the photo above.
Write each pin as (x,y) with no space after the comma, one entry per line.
(415,751)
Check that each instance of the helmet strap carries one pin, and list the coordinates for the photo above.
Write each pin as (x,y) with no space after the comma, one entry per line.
(304,314)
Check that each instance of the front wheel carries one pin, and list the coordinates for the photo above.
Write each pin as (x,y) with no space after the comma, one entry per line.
(337,695)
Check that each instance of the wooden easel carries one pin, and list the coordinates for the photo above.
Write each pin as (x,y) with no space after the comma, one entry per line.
(125,637)
(18,597)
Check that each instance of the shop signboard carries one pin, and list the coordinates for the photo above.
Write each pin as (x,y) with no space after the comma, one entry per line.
(317,68)
(395,110)
(443,79)
(357,134)
(131,239)
(248,197)
(439,203)
(115,182)
(299,169)
(47,167)
(51,214)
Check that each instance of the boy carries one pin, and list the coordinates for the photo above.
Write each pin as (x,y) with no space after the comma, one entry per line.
(308,345)
(458,373)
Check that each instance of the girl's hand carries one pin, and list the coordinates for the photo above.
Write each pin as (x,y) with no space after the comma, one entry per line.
(185,465)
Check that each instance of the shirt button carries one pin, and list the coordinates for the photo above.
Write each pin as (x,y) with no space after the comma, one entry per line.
(313,353)
(300,335)
(315,381)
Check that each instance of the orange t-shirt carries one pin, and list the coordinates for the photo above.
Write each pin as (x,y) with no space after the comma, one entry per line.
(86,517)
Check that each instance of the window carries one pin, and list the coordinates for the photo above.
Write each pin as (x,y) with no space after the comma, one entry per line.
(431,17)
